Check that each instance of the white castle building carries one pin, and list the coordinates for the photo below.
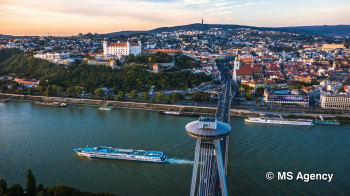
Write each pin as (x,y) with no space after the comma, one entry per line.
(120,48)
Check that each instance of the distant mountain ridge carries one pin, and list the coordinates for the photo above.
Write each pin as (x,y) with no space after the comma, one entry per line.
(325,30)
(189,27)
(6,36)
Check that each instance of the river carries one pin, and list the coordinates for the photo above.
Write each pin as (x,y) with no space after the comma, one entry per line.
(43,138)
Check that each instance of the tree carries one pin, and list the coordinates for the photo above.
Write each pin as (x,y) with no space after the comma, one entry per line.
(145,96)
(121,95)
(175,97)
(246,87)
(30,183)
(78,91)
(3,187)
(30,91)
(133,94)
(248,96)
(260,91)
(69,91)
(58,90)
(48,91)
(15,190)
(200,96)
(160,96)
(63,190)
(99,93)
(4,88)
(40,188)
(114,90)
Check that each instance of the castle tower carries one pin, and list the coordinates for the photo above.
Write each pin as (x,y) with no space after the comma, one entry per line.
(155,68)
(105,47)
(237,62)
(211,178)
(280,62)
(128,47)
(236,65)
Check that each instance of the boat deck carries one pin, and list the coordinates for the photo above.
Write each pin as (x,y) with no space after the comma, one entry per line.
(103,149)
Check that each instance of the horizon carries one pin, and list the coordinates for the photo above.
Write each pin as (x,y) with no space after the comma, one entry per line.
(84,33)
(65,18)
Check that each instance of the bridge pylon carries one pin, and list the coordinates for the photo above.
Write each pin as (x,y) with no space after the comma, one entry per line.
(208,177)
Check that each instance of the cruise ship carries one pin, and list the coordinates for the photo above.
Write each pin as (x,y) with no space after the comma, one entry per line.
(281,121)
(124,154)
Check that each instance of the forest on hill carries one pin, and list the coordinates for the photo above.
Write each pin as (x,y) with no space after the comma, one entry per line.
(88,77)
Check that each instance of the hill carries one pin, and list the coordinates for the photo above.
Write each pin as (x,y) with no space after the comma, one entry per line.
(189,27)
(6,36)
(326,30)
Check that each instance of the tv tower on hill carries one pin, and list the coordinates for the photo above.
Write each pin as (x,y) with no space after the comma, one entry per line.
(202,19)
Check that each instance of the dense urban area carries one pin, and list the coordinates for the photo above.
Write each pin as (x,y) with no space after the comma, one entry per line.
(274,69)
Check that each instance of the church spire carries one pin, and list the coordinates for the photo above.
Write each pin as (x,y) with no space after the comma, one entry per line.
(237,56)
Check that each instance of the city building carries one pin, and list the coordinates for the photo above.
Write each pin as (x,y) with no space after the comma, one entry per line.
(27,82)
(332,46)
(57,58)
(52,56)
(285,96)
(155,68)
(306,78)
(341,101)
(120,48)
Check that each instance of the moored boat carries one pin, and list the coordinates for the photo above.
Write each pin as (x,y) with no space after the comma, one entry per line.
(280,121)
(327,122)
(172,113)
(105,108)
(56,104)
(123,154)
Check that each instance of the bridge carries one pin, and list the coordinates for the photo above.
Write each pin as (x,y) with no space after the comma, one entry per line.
(213,141)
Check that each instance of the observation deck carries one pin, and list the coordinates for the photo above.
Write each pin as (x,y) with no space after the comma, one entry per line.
(208,128)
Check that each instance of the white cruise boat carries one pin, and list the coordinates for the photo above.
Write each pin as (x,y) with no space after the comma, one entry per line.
(281,121)
(124,154)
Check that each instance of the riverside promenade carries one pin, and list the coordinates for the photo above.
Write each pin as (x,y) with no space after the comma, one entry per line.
(211,110)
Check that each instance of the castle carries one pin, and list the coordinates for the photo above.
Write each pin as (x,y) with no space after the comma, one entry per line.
(121,49)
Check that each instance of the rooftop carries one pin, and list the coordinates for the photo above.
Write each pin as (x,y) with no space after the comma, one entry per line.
(208,128)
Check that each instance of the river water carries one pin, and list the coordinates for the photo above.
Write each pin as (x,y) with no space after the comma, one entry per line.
(43,138)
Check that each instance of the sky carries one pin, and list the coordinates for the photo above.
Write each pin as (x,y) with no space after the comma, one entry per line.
(70,17)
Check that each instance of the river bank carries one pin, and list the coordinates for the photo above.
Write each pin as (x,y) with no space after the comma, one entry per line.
(165,107)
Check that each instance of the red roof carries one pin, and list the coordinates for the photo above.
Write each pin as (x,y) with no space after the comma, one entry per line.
(245,70)
(257,70)
(117,44)
(248,70)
